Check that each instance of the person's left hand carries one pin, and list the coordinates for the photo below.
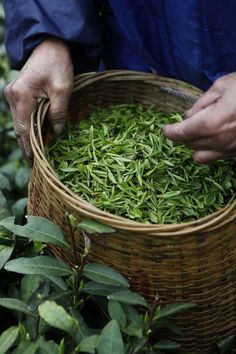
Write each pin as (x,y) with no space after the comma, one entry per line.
(210,127)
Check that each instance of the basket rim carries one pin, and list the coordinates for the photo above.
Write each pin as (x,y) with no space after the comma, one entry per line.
(86,208)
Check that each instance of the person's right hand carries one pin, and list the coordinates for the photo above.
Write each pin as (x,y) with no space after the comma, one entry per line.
(48,73)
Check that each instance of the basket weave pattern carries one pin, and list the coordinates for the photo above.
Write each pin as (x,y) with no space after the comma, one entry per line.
(193,261)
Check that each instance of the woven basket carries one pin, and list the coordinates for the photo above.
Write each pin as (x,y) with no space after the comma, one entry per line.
(193,261)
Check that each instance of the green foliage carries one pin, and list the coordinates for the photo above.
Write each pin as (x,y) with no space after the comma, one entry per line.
(110,341)
(8,338)
(52,302)
(37,229)
(38,265)
(227,345)
(104,275)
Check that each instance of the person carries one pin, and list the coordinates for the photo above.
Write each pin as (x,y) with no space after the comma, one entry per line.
(194,41)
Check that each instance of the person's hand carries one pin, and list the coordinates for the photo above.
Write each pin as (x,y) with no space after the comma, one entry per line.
(48,73)
(210,127)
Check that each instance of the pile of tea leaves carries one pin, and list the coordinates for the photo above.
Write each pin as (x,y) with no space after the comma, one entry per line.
(119,161)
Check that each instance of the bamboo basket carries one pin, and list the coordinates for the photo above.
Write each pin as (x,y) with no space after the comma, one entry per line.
(193,261)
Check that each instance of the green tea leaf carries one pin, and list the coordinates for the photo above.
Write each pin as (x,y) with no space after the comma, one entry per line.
(8,338)
(83,328)
(22,177)
(18,208)
(95,288)
(116,312)
(120,161)
(48,347)
(29,284)
(3,201)
(15,304)
(104,275)
(134,330)
(173,309)
(111,341)
(62,346)
(26,347)
(4,212)
(92,227)
(38,265)
(132,314)
(166,345)
(5,254)
(59,295)
(4,183)
(37,229)
(58,281)
(226,344)
(166,323)
(88,344)
(57,317)
(127,297)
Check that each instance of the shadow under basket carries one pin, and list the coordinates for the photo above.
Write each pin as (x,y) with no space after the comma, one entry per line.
(190,262)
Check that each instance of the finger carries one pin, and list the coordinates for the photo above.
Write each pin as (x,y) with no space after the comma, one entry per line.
(210,97)
(21,119)
(8,96)
(21,104)
(21,144)
(203,144)
(193,128)
(58,111)
(207,156)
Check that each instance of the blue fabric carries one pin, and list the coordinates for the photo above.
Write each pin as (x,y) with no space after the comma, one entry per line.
(29,22)
(192,40)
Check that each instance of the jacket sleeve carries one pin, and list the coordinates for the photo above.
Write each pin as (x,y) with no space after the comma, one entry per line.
(29,22)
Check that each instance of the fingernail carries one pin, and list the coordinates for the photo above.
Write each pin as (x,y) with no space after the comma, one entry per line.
(58,128)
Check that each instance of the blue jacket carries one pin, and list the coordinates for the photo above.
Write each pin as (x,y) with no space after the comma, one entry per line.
(191,40)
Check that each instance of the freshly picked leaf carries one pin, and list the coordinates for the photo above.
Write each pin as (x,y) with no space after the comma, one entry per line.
(120,161)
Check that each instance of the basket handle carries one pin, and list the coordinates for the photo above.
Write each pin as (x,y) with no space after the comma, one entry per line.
(176,92)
